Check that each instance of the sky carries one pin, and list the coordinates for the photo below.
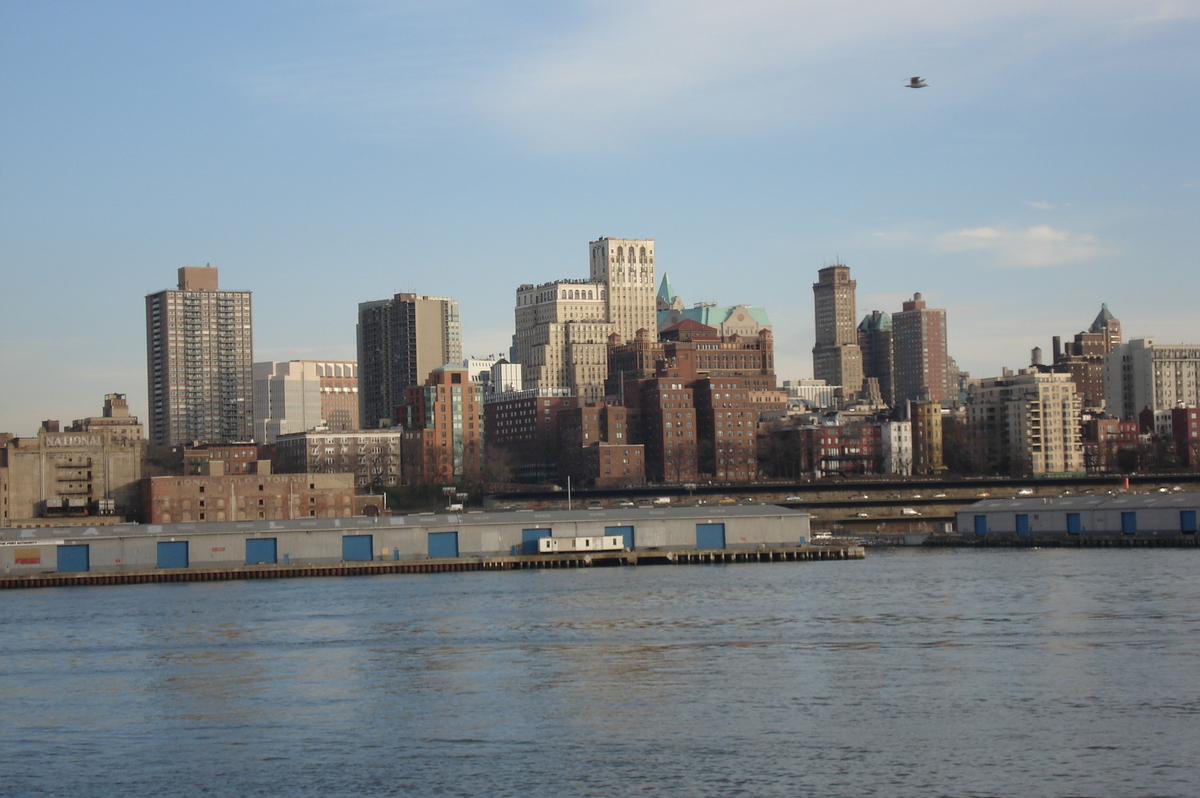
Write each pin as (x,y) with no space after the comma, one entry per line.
(323,153)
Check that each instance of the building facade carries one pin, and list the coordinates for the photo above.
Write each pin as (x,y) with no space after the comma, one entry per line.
(199,347)
(1083,358)
(1027,424)
(875,342)
(837,358)
(372,456)
(563,327)
(1144,375)
(256,497)
(443,440)
(300,395)
(920,361)
(401,340)
(87,474)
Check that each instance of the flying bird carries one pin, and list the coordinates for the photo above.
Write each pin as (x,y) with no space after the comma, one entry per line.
(915,82)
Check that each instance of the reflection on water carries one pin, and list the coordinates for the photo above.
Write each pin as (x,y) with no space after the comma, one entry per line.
(910,673)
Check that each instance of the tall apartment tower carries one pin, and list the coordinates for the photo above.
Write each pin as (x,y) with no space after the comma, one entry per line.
(400,341)
(920,363)
(837,358)
(198,362)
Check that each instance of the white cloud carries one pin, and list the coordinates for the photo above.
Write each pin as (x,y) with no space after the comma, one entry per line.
(1034,247)
(1040,205)
(600,73)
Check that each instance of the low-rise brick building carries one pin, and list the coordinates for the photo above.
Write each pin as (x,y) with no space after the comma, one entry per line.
(253,497)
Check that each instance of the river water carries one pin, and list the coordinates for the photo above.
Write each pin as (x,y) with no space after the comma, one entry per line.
(912,673)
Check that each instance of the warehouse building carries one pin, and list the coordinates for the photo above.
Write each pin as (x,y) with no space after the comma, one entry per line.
(1155,515)
(130,547)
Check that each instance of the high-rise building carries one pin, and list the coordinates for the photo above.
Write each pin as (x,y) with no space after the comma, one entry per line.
(443,429)
(626,267)
(563,327)
(198,361)
(400,341)
(1143,375)
(1026,424)
(875,341)
(302,395)
(837,358)
(919,360)
(1083,358)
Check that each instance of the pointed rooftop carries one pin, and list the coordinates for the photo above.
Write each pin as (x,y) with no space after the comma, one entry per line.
(665,291)
(1102,319)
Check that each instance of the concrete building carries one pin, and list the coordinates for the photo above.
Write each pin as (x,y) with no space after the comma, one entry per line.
(920,362)
(255,497)
(401,340)
(1123,516)
(87,474)
(301,395)
(811,394)
(372,456)
(875,341)
(837,358)
(1144,375)
(443,440)
(199,348)
(1027,424)
(563,327)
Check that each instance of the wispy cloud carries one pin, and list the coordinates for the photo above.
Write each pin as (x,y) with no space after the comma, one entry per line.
(1040,205)
(1034,247)
(601,73)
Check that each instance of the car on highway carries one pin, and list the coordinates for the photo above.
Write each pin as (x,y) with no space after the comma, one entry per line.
(862,515)
(793,499)
(624,503)
(1025,492)
(908,511)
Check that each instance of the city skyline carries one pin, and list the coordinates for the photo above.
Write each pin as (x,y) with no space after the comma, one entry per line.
(369,150)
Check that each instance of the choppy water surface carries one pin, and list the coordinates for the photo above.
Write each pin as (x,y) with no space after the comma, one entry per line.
(1032,673)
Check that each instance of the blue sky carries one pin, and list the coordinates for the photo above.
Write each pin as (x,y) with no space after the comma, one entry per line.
(325,153)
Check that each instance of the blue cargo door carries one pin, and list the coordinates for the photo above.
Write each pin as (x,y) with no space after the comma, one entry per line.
(260,550)
(710,536)
(444,544)
(624,531)
(981,525)
(358,548)
(1187,523)
(1074,525)
(529,541)
(1129,523)
(1022,524)
(78,558)
(173,554)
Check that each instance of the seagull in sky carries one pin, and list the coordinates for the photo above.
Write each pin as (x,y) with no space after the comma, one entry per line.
(915,82)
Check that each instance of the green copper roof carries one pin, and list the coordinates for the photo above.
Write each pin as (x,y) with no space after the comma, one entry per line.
(715,316)
(665,291)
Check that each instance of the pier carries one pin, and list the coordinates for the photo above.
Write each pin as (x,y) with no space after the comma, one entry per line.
(445,565)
